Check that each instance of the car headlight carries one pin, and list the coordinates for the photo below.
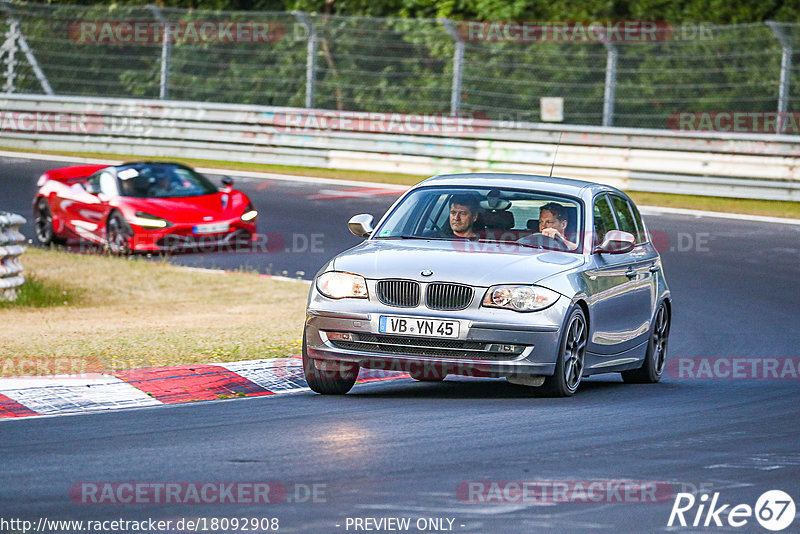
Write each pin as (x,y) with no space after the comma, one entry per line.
(151,221)
(249,214)
(340,285)
(519,297)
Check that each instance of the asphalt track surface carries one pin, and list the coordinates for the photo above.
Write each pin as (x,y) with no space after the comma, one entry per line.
(402,448)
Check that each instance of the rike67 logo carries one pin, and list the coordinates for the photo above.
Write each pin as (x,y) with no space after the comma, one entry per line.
(774,510)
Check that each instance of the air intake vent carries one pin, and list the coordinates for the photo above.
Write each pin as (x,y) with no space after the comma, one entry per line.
(401,293)
(448,296)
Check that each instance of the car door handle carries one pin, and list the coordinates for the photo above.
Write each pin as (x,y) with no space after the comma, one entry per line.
(631,274)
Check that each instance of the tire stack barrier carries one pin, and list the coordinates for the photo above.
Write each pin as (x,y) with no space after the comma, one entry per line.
(10,251)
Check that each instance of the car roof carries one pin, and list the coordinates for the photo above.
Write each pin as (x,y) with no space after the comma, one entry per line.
(554,184)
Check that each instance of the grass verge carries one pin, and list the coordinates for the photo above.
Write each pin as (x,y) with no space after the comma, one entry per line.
(37,293)
(747,206)
(86,313)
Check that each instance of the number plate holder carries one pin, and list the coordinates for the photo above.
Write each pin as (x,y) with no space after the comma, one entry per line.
(418,326)
(213,228)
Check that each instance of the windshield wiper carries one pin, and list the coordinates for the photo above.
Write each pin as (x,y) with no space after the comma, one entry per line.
(505,242)
(404,236)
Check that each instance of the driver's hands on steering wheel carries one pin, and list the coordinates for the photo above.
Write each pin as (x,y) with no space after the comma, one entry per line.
(553,233)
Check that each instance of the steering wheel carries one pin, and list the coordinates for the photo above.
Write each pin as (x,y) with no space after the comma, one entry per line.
(544,241)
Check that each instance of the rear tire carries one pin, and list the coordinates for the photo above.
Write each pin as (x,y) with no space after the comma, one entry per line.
(571,354)
(43,223)
(651,370)
(329,382)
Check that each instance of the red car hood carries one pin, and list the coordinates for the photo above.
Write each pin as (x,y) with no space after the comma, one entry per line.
(199,209)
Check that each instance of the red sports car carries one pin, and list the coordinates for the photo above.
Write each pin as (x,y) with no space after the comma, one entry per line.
(143,206)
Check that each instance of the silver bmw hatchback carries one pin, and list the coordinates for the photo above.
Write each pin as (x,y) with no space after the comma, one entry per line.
(542,281)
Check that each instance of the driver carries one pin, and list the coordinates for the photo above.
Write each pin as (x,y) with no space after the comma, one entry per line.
(160,185)
(464,211)
(553,223)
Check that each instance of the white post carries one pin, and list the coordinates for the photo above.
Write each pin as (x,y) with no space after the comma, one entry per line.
(458,66)
(163,89)
(23,45)
(611,84)
(786,67)
(9,49)
(311,57)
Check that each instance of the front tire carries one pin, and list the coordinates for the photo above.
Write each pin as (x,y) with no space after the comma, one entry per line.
(118,235)
(338,379)
(651,370)
(571,357)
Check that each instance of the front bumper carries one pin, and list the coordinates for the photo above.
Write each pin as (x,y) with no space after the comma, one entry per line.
(478,350)
(181,237)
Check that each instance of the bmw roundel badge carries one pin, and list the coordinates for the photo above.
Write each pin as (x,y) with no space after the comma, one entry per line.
(426,272)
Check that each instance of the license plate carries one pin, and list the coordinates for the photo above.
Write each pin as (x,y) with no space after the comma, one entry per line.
(414,326)
(215,228)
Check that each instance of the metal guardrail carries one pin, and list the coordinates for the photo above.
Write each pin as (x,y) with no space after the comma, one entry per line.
(10,250)
(763,166)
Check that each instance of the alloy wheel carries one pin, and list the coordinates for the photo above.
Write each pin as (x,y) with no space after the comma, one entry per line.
(574,352)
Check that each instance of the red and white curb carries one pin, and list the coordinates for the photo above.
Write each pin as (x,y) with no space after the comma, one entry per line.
(153,386)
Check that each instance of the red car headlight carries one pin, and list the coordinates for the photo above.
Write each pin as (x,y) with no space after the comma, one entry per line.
(249,214)
(149,221)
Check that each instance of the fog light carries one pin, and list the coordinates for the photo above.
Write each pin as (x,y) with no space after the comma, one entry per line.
(505,349)
(339,336)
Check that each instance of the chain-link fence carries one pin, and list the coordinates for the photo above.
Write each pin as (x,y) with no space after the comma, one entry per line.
(403,65)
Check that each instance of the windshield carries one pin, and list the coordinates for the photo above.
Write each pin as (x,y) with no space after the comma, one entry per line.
(525,218)
(161,180)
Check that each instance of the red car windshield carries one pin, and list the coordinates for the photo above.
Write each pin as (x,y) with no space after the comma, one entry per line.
(161,180)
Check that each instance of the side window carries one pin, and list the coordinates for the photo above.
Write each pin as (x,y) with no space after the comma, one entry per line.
(603,218)
(624,215)
(641,233)
(94,180)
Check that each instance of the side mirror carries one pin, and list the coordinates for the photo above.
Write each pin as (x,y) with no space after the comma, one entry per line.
(92,188)
(361,225)
(616,242)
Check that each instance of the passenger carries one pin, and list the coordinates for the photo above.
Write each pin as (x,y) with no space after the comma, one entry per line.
(553,223)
